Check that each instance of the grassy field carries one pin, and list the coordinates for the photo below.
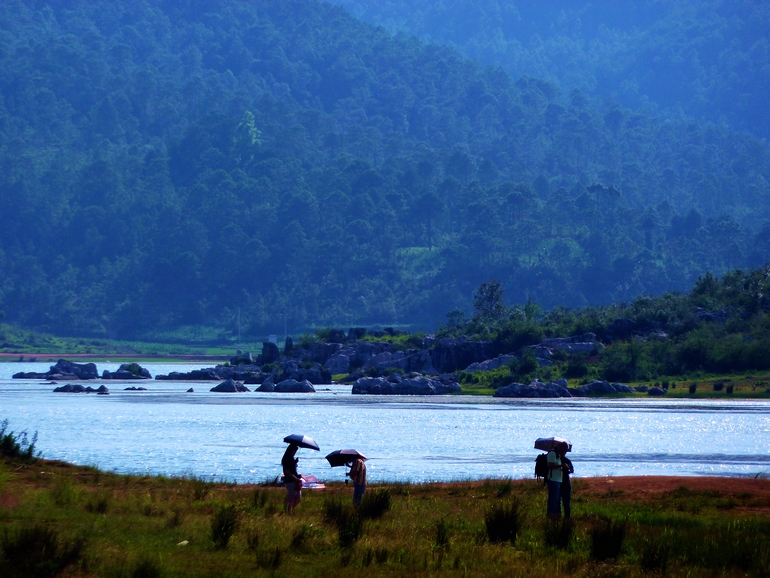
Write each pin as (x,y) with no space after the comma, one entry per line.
(16,343)
(59,519)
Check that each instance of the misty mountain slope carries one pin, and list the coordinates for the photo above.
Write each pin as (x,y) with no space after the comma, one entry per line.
(701,59)
(168,165)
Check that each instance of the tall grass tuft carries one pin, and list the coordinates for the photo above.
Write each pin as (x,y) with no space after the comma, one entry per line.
(99,502)
(559,533)
(223,525)
(607,537)
(258,499)
(268,558)
(147,567)
(64,492)
(503,521)
(347,518)
(655,552)
(441,541)
(36,551)
(333,509)
(350,526)
(200,488)
(375,504)
(16,445)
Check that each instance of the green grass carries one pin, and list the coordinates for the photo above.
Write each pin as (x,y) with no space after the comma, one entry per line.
(78,521)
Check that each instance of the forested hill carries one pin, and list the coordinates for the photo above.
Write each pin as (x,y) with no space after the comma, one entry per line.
(222,163)
(703,59)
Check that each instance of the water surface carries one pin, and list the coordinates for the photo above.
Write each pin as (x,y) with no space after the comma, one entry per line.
(238,437)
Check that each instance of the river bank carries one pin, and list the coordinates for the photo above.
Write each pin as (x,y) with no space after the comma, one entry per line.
(102,524)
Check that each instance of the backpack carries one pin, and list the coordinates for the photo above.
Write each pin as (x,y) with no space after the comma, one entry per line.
(541,467)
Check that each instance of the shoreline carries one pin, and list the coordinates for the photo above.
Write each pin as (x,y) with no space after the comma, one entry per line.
(636,488)
(40,357)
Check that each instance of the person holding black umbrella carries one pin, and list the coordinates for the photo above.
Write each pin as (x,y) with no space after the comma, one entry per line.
(357,473)
(556,468)
(291,478)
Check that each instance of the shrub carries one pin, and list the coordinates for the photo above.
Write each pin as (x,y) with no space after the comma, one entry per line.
(719,385)
(693,388)
(558,533)
(36,551)
(576,367)
(607,538)
(16,446)
(729,389)
(223,525)
(375,504)
(503,522)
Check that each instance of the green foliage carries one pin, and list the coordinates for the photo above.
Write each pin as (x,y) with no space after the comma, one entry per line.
(488,301)
(16,445)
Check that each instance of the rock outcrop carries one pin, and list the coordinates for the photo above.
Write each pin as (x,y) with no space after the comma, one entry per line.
(294,386)
(127,371)
(598,387)
(230,386)
(78,388)
(535,389)
(396,385)
(64,370)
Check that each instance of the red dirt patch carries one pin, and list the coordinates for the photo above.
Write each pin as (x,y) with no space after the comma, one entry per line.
(649,488)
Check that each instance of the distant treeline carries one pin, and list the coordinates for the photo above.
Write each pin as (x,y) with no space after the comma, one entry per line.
(246,165)
(699,59)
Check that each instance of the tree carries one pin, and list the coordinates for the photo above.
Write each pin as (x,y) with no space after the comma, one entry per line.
(488,301)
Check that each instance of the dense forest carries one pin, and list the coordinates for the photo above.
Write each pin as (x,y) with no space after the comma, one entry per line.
(169,167)
(701,59)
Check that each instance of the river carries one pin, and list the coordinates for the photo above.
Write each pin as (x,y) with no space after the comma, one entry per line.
(238,437)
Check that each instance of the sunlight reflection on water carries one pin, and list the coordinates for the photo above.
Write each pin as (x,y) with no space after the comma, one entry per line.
(237,437)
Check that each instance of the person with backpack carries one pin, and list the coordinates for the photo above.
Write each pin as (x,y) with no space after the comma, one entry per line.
(556,468)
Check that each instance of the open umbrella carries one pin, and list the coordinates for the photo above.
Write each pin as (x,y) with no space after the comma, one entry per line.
(302,441)
(547,444)
(344,457)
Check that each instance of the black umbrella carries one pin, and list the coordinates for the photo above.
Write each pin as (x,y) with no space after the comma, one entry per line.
(548,444)
(344,457)
(302,441)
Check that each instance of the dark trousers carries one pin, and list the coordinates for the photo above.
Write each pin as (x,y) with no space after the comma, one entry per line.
(554,495)
(566,494)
